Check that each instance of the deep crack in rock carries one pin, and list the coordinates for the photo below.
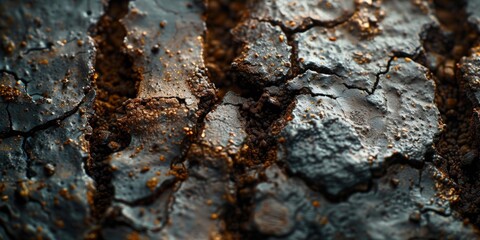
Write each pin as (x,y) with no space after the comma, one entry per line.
(115,82)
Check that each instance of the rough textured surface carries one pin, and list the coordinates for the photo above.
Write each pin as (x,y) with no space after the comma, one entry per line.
(403,205)
(166,43)
(166,38)
(360,49)
(361,100)
(353,131)
(265,57)
(299,15)
(199,201)
(46,96)
(225,127)
(46,61)
(332,119)
(195,205)
(470,71)
(157,127)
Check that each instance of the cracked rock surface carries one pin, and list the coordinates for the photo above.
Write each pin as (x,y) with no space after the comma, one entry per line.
(353,132)
(47,94)
(404,198)
(241,119)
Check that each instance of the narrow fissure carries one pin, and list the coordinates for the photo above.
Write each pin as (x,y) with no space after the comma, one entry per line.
(221,50)
(455,149)
(115,82)
(311,24)
(414,56)
(42,126)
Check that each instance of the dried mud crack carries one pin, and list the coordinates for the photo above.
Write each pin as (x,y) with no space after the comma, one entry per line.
(245,119)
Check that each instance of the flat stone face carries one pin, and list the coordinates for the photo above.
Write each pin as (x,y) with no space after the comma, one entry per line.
(57,86)
(35,26)
(44,184)
(224,126)
(14,165)
(166,40)
(360,49)
(265,57)
(45,99)
(46,61)
(158,128)
(297,15)
(200,201)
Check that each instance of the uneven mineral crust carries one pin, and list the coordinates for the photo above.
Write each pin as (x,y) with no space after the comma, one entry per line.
(242,119)
(46,101)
